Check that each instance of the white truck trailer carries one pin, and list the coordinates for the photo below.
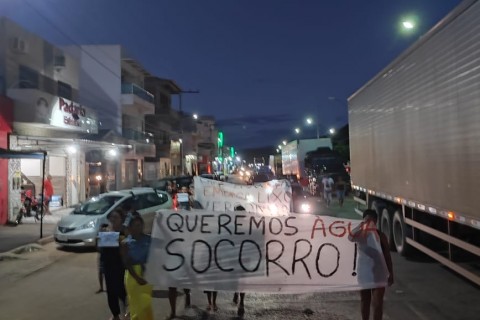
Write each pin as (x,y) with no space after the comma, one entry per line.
(293,154)
(415,144)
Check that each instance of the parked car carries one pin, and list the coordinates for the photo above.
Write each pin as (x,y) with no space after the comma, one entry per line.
(81,227)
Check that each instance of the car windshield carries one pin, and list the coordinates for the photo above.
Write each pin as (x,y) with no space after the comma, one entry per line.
(97,205)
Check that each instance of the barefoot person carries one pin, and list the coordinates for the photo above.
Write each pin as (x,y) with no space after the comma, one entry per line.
(212,300)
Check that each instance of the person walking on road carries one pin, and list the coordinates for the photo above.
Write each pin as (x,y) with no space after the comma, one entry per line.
(135,250)
(328,184)
(114,269)
(340,187)
(363,234)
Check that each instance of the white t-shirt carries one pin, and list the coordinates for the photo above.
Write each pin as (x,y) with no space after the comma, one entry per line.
(327,183)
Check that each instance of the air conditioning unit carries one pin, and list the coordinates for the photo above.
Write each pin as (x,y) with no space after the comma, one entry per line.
(19,45)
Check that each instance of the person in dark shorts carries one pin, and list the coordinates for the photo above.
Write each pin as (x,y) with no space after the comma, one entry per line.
(113,267)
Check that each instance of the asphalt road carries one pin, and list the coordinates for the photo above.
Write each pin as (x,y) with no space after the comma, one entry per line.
(36,288)
(56,284)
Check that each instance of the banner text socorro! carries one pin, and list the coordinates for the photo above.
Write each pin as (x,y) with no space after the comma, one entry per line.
(296,253)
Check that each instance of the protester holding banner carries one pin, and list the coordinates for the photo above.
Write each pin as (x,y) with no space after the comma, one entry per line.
(135,250)
(364,235)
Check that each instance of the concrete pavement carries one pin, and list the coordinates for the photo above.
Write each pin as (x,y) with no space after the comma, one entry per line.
(12,237)
(55,284)
(29,230)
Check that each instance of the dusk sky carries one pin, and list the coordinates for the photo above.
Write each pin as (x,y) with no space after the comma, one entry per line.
(261,66)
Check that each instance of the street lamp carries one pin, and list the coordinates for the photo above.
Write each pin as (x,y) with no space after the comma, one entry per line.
(310,122)
(297,130)
(284,142)
(408,24)
(195,116)
(181,155)
(332,130)
(280,147)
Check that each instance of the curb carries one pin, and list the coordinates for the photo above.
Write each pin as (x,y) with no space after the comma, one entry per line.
(45,240)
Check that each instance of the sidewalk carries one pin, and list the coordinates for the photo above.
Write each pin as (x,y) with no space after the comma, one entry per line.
(28,231)
(12,237)
(57,214)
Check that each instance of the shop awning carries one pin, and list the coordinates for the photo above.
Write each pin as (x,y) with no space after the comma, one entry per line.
(12,154)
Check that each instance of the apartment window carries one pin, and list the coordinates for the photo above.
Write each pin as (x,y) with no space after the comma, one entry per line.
(27,78)
(64,90)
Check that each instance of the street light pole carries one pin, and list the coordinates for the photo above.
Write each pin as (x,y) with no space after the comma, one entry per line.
(181,156)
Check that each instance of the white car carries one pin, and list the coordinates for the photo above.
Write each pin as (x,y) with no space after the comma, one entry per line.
(81,227)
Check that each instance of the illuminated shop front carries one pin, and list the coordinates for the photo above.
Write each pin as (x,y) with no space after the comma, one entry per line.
(61,127)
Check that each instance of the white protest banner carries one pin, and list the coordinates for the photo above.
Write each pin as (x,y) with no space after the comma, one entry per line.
(238,251)
(273,197)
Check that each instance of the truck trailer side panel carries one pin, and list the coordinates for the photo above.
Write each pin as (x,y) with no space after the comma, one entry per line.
(415,128)
(293,154)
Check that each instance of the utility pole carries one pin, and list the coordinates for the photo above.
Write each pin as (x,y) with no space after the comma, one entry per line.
(181,122)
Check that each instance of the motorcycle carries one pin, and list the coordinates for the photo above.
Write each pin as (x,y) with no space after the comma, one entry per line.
(29,205)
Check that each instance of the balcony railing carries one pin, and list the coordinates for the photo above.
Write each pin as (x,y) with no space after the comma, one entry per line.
(137,136)
(131,88)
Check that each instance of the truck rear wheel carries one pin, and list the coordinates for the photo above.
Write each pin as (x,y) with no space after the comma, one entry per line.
(400,230)
(386,226)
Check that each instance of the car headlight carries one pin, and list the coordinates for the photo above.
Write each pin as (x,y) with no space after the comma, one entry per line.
(305,207)
(89,225)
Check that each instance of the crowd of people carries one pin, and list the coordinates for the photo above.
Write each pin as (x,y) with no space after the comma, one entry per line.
(122,264)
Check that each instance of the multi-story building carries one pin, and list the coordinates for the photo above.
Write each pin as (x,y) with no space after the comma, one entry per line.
(113,83)
(164,125)
(43,82)
(206,143)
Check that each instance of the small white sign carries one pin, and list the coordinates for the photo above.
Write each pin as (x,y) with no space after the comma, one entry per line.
(182,197)
(108,239)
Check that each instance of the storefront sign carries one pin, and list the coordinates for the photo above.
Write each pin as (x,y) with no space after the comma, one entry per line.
(244,252)
(71,115)
(36,107)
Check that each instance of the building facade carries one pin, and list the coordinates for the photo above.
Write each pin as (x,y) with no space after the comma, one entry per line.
(113,83)
(42,82)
